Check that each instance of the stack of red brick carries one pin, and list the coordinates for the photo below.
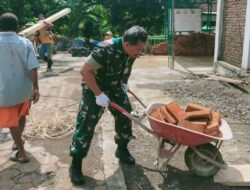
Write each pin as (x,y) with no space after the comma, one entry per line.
(194,117)
(160,49)
(196,44)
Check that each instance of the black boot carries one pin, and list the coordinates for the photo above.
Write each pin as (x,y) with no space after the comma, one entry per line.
(45,58)
(124,155)
(75,172)
(49,65)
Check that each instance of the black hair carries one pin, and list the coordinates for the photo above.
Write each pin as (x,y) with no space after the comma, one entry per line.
(135,34)
(8,22)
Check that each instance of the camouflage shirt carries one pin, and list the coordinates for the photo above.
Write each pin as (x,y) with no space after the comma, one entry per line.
(112,66)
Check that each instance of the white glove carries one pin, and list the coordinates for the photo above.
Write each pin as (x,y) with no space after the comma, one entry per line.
(102,100)
(125,87)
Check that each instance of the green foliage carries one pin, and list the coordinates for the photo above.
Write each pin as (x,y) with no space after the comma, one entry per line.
(185,4)
(124,14)
(92,18)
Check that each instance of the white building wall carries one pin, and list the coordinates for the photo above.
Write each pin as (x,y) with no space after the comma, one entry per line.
(188,20)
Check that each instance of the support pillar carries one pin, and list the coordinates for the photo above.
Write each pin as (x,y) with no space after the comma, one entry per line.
(170,32)
(246,46)
(218,30)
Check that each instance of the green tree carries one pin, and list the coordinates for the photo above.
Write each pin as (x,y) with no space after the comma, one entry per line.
(92,18)
(123,14)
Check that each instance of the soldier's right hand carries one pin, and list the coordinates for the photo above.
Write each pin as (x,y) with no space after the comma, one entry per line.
(102,100)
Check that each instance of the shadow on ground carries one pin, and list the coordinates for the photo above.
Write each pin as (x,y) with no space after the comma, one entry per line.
(25,176)
(185,180)
(137,177)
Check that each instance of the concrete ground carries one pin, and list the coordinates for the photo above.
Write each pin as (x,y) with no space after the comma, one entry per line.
(60,94)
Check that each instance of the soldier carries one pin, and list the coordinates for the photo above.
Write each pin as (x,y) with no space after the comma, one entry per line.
(105,78)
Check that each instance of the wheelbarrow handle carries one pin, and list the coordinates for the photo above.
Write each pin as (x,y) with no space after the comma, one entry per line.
(138,99)
(117,107)
(137,121)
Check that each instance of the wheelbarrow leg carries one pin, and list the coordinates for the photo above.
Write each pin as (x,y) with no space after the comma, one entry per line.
(163,153)
(218,144)
(160,141)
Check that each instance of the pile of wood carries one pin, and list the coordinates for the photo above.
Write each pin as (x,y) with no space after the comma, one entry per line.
(194,117)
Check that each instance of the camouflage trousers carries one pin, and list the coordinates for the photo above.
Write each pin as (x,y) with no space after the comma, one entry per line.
(89,115)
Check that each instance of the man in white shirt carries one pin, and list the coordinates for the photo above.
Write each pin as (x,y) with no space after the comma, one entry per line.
(18,82)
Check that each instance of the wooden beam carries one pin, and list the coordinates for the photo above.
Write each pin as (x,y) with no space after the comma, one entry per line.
(40,25)
(229,80)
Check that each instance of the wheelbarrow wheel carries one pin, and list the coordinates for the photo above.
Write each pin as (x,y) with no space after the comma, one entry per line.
(200,166)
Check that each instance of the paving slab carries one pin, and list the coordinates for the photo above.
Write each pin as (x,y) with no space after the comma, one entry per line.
(112,170)
(38,173)
(234,175)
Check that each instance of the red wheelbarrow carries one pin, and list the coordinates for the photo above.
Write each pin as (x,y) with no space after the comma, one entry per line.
(202,155)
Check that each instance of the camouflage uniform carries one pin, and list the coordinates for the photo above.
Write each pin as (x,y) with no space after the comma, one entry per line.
(113,68)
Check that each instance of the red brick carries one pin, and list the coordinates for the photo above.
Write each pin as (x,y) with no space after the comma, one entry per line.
(195,107)
(199,114)
(212,127)
(176,111)
(216,118)
(156,114)
(215,133)
(195,127)
(204,120)
(199,122)
(167,116)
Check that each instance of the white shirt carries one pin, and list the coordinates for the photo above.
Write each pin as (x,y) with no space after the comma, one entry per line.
(17,58)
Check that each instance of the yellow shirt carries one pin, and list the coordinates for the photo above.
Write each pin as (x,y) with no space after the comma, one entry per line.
(45,36)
